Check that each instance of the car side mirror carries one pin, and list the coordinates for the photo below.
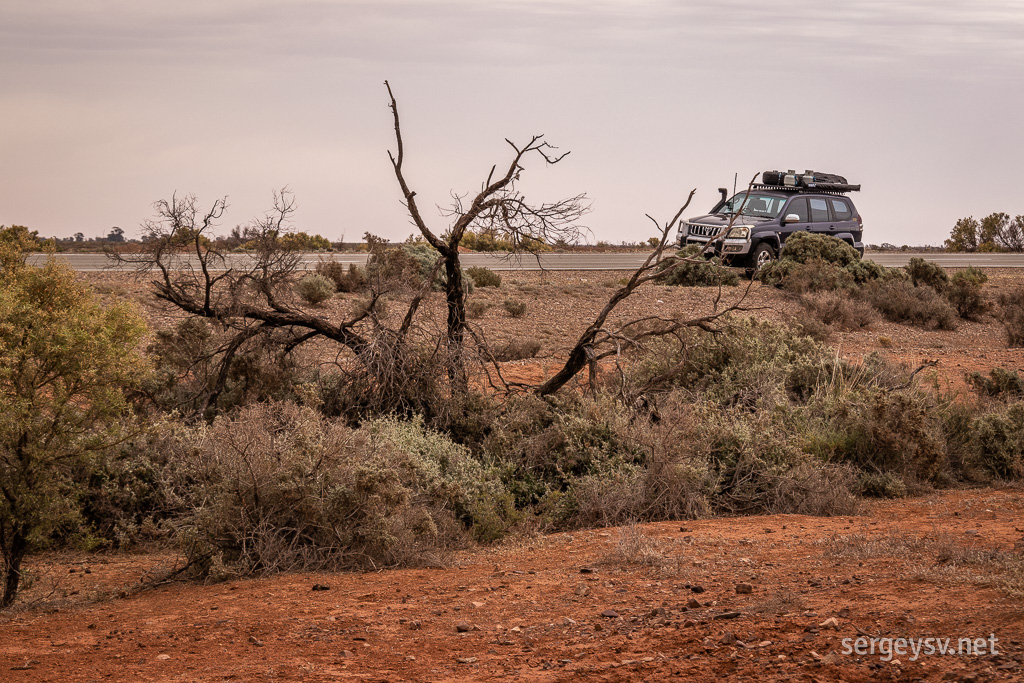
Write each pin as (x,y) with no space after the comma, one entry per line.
(791,218)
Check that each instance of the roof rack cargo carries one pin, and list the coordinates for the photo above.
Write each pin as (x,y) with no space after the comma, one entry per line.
(808,180)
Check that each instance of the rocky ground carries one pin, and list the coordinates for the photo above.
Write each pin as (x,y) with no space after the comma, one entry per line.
(753,598)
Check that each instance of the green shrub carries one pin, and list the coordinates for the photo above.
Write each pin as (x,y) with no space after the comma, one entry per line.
(928,274)
(901,302)
(515,307)
(964,292)
(698,272)
(866,271)
(351,280)
(315,289)
(1011,313)
(484,277)
(881,485)
(999,383)
(815,275)
(1000,441)
(804,247)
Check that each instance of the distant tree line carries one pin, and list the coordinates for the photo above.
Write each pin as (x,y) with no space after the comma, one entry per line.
(995,232)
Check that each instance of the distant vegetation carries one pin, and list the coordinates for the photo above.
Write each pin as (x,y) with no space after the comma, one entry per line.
(995,232)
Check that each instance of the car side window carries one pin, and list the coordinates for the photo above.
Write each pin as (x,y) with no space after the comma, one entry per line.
(819,210)
(841,210)
(799,207)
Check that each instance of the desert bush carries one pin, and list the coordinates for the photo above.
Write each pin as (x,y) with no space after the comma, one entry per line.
(517,349)
(881,485)
(698,272)
(315,289)
(863,271)
(901,302)
(964,292)
(839,309)
(999,440)
(476,308)
(1011,314)
(928,274)
(352,279)
(484,277)
(750,363)
(515,307)
(185,362)
(804,247)
(878,429)
(279,488)
(1000,383)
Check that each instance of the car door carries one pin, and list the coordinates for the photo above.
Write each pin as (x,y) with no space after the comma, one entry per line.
(820,216)
(797,206)
(844,220)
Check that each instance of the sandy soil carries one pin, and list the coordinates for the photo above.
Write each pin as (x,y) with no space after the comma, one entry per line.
(657,602)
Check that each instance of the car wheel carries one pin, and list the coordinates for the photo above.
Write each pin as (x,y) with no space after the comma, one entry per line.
(762,256)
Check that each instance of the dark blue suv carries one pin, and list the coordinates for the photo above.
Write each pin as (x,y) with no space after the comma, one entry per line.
(750,229)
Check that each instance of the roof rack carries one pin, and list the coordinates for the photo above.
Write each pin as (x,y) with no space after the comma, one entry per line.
(805,190)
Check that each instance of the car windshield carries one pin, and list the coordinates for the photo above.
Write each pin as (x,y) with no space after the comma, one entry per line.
(760,205)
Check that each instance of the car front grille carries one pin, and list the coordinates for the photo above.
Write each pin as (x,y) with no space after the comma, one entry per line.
(698,230)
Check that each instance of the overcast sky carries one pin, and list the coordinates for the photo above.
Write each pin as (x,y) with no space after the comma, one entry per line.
(107,106)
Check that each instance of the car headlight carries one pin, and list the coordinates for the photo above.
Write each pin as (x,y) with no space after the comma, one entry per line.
(739,233)
(684,229)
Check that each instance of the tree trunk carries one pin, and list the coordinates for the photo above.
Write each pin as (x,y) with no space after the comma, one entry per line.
(456,296)
(13,556)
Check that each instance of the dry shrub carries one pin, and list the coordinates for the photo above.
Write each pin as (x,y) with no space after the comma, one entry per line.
(351,280)
(804,247)
(476,308)
(779,602)
(635,548)
(839,309)
(901,302)
(280,488)
(517,349)
(484,277)
(1011,313)
(964,292)
(1000,383)
(515,307)
(315,289)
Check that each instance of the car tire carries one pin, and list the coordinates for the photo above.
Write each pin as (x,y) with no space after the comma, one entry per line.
(762,255)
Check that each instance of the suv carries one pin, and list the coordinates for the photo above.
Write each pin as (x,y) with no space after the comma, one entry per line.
(750,229)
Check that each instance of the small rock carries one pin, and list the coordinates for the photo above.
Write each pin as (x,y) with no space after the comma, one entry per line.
(568,621)
(693,603)
(321,587)
(689,623)
(415,625)
(728,638)
(610,613)
(696,589)
(831,622)
(516,629)
(255,641)
(764,643)
(466,660)
(463,627)
(347,653)
(744,588)
(477,605)
(582,590)
(844,613)
(163,657)
(658,612)
(587,570)
(727,615)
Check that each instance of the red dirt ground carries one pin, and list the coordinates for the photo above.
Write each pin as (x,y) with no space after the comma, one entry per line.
(535,609)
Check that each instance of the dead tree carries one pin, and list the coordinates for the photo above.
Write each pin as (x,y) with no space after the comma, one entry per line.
(500,208)
(599,342)
(247,296)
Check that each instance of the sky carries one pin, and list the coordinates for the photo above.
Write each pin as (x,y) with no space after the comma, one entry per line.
(107,106)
